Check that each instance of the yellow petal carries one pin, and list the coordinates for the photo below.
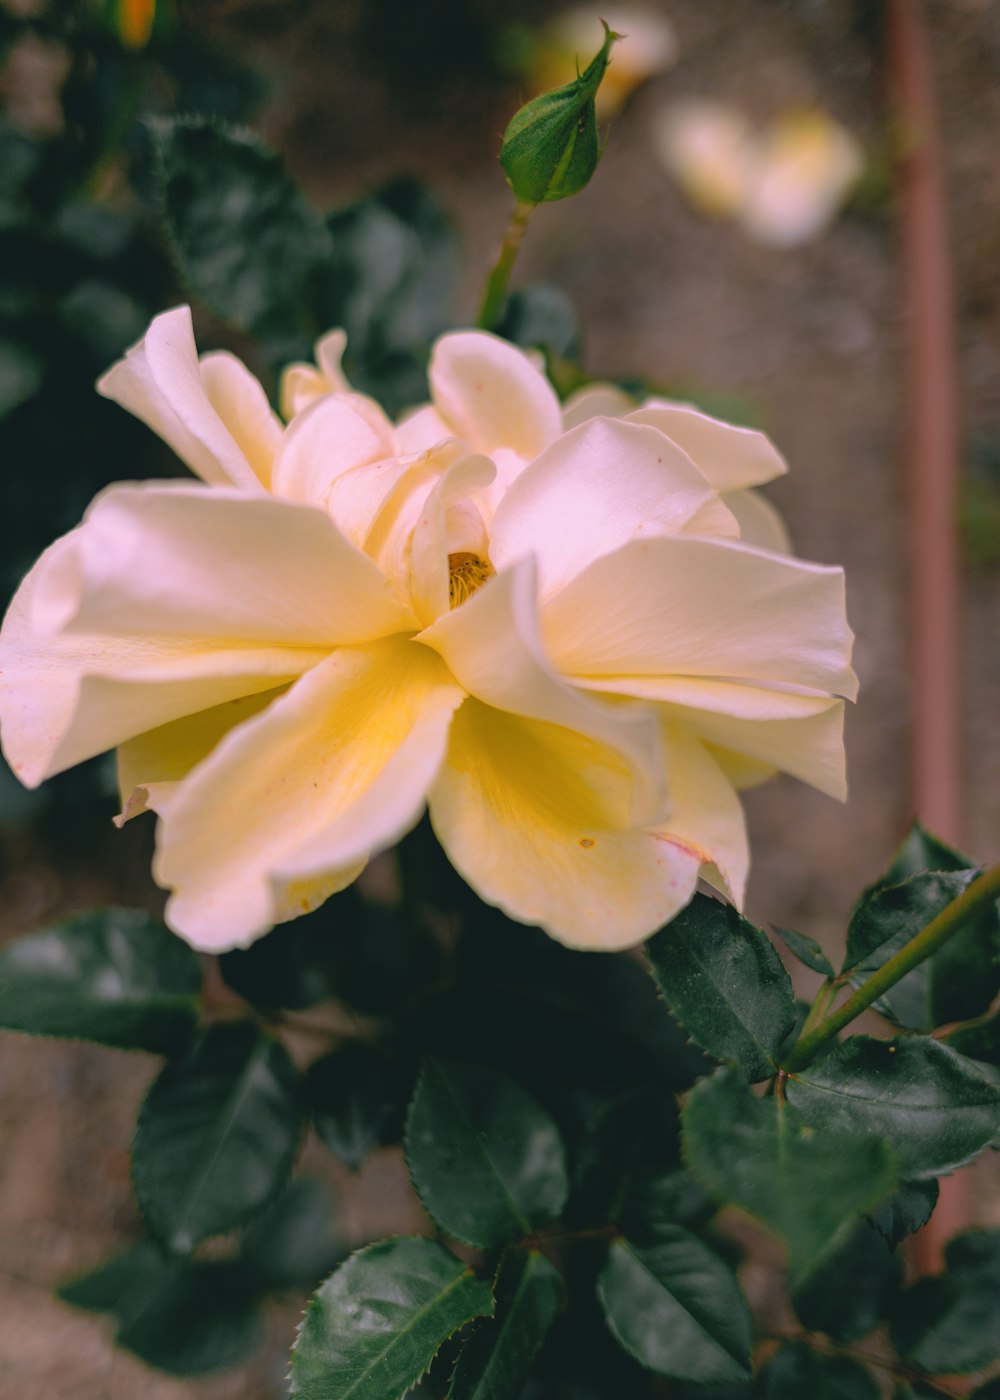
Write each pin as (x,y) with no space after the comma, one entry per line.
(706,814)
(293,801)
(531,815)
(302,384)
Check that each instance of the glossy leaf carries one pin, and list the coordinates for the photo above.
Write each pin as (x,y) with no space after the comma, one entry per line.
(797,1372)
(216,1136)
(496,1359)
(806,949)
(905,1210)
(948,1323)
(357,1100)
(376,1324)
(114,976)
(956,983)
(850,1291)
(184,1318)
(760,1155)
(676,1307)
(485,1158)
(292,1244)
(936,1108)
(723,980)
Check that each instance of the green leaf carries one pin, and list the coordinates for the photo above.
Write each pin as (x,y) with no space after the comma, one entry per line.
(676,1307)
(947,1324)
(725,983)
(850,1290)
(806,949)
(760,1155)
(796,1372)
(485,1159)
(906,1210)
(921,851)
(956,983)
(22,374)
(936,1108)
(216,1136)
(291,1245)
(115,976)
(989,1391)
(495,1361)
(245,241)
(978,1042)
(299,963)
(631,1141)
(357,1100)
(550,149)
(541,318)
(374,1327)
(183,1318)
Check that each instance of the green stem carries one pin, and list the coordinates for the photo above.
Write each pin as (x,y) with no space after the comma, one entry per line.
(820,1006)
(982,892)
(495,293)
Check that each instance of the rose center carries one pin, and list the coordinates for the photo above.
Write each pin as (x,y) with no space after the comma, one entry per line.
(466,573)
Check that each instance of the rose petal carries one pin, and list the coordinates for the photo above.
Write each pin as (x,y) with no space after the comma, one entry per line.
(492,396)
(729,457)
(302,384)
(332,437)
(706,813)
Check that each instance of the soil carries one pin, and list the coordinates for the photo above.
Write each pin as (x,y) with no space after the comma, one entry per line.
(812,339)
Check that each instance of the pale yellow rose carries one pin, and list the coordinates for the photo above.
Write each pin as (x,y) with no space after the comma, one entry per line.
(345,622)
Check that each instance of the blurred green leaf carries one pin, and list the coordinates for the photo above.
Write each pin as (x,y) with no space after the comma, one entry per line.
(905,1210)
(676,1307)
(852,1288)
(796,1372)
(761,1155)
(947,1324)
(630,1144)
(542,318)
(22,373)
(723,980)
(485,1158)
(936,1108)
(115,976)
(357,1098)
(216,1136)
(292,1244)
(299,963)
(183,1318)
(806,949)
(375,1325)
(497,1357)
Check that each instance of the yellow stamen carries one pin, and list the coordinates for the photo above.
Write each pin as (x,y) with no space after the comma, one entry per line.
(467,572)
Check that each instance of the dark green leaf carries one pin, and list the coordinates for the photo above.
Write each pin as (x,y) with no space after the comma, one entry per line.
(676,1307)
(245,241)
(22,373)
(357,1100)
(796,1372)
(936,1108)
(299,963)
(905,1210)
(761,1156)
(550,148)
(851,1289)
(115,976)
(989,1391)
(216,1136)
(184,1318)
(948,1323)
(292,1244)
(806,949)
(725,983)
(921,851)
(542,318)
(631,1142)
(495,1361)
(978,1042)
(956,983)
(374,1327)
(486,1160)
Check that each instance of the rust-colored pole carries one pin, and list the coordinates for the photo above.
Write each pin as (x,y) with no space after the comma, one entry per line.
(932,475)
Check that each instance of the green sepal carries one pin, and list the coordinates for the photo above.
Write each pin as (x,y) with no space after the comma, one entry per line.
(947,1324)
(761,1155)
(114,976)
(376,1324)
(676,1307)
(485,1158)
(936,1108)
(725,983)
(216,1136)
(497,1357)
(551,148)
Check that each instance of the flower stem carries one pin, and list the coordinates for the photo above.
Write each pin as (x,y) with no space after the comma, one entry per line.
(495,293)
(983,891)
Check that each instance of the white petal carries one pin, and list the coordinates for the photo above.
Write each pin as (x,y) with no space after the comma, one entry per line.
(728,457)
(422,429)
(595,401)
(242,406)
(333,436)
(760,523)
(444,527)
(302,384)
(289,805)
(530,814)
(706,814)
(492,396)
(175,560)
(710,608)
(601,485)
(160,381)
(493,649)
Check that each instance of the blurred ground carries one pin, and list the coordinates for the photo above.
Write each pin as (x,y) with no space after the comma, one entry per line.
(811,338)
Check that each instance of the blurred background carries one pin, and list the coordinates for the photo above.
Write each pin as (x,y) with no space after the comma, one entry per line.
(739,246)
